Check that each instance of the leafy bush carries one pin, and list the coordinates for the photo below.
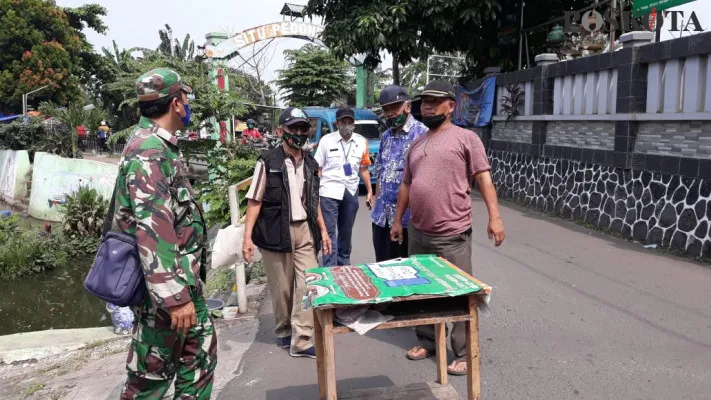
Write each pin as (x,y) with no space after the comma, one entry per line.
(27,252)
(9,227)
(83,213)
(72,116)
(21,136)
(80,246)
(123,134)
(228,165)
(58,141)
(512,102)
(221,281)
(192,148)
(257,273)
(33,137)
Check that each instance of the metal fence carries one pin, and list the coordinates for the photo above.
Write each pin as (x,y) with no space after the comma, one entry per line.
(97,146)
(87,144)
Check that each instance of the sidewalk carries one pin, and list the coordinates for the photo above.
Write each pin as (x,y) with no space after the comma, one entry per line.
(36,345)
(97,370)
(103,158)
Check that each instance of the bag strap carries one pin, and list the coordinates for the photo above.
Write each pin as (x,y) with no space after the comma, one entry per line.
(109,218)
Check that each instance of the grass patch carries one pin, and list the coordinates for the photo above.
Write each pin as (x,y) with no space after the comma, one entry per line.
(257,273)
(28,252)
(222,280)
(32,389)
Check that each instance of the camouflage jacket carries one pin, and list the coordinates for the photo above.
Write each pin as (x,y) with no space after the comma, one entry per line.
(155,202)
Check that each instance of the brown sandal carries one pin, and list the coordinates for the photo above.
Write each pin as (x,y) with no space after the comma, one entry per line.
(455,372)
(425,355)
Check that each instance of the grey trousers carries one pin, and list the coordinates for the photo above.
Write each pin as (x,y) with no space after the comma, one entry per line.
(456,249)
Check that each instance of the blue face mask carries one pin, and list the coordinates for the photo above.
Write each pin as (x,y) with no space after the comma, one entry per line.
(188,114)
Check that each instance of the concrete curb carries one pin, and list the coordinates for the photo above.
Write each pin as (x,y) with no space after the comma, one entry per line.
(36,345)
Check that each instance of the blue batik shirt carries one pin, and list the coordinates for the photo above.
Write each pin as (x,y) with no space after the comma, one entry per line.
(389,166)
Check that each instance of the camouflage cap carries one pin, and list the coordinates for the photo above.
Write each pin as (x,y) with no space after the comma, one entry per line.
(159,83)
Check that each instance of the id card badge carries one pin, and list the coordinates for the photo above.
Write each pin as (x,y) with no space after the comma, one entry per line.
(347,169)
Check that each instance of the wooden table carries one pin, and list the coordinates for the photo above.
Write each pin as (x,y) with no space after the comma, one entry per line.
(408,311)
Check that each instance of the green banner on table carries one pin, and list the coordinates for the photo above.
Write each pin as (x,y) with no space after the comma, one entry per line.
(642,7)
(382,282)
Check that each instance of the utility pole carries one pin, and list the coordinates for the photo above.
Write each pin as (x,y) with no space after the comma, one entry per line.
(358,61)
(427,75)
(240,274)
(26,95)
(520,38)
(613,7)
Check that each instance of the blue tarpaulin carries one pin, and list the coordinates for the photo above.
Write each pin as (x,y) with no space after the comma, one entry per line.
(475,106)
(8,118)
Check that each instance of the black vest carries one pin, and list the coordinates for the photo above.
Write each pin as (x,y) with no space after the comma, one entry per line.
(271,231)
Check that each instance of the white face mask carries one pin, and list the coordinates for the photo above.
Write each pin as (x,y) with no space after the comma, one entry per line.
(346,130)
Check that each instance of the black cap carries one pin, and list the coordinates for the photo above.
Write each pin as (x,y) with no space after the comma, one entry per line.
(293,115)
(345,112)
(439,89)
(393,94)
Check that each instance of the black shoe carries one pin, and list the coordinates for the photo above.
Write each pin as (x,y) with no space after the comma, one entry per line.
(310,352)
(284,342)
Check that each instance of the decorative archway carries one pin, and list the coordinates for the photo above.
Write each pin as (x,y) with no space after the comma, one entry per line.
(220,48)
(228,48)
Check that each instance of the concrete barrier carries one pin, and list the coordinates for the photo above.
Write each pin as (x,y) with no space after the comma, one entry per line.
(54,177)
(14,174)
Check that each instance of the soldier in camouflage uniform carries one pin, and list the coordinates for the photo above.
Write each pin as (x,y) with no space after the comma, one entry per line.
(173,336)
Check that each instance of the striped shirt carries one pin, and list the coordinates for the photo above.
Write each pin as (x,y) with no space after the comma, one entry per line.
(295,175)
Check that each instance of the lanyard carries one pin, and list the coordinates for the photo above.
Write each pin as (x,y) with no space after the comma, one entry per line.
(344,150)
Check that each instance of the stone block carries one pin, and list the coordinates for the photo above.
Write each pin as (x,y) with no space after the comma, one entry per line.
(546,59)
(636,38)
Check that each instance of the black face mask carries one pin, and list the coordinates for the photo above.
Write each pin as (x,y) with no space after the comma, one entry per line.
(295,140)
(396,122)
(435,121)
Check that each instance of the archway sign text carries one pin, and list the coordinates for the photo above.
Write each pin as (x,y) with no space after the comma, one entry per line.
(292,29)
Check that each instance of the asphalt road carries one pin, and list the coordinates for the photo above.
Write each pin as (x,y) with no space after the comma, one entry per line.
(574,315)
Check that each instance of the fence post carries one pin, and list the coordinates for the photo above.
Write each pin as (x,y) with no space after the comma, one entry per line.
(239,267)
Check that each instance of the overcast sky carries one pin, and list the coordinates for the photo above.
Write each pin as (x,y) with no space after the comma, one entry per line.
(135,23)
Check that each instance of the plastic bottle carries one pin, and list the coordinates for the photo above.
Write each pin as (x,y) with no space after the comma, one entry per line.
(232,300)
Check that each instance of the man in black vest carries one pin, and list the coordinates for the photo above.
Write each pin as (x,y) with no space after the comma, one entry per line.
(284,220)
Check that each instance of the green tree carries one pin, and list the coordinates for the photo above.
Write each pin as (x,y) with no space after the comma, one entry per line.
(172,48)
(210,104)
(414,76)
(408,29)
(119,60)
(73,116)
(414,29)
(42,44)
(252,70)
(313,77)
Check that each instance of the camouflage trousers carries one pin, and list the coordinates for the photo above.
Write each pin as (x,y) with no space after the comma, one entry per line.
(159,354)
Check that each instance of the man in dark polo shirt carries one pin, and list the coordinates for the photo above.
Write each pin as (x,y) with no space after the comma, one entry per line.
(436,186)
